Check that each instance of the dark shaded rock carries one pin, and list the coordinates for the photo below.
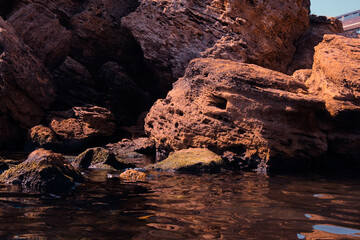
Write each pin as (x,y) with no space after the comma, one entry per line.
(43,171)
(121,94)
(171,34)
(26,88)
(319,26)
(40,29)
(140,151)
(192,160)
(76,86)
(100,158)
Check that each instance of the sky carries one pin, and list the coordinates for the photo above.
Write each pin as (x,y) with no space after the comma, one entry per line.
(333,8)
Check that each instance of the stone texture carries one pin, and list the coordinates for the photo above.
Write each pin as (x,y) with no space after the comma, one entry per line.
(40,29)
(336,74)
(133,175)
(251,111)
(319,26)
(43,171)
(171,33)
(26,87)
(100,158)
(43,137)
(192,160)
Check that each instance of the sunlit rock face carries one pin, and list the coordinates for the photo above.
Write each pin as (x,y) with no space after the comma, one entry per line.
(247,109)
(173,32)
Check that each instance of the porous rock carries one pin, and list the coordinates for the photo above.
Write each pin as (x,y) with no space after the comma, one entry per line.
(133,175)
(229,106)
(43,171)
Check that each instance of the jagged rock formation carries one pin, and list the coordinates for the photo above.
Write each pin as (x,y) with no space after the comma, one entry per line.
(260,114)
(319,26)
(171,33)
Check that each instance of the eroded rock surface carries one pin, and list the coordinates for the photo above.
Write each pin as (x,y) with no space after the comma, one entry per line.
(319,26)
(171,33)
(229,106)
(43,171)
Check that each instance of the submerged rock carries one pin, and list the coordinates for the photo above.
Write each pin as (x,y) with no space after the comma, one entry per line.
(43,171)
(133,175)
(100,158)
(192,160)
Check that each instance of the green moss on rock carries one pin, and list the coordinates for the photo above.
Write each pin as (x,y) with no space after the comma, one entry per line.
(191,160)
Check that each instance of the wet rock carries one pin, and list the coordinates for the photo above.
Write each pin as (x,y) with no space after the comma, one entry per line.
(100,158)
(172,33)
(319,26)
(133,175)
(43,171)
(256,113)
(192,160)
(76,86)
(26,87)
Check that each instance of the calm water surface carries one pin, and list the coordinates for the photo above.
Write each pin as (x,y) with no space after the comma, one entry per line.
(179,206)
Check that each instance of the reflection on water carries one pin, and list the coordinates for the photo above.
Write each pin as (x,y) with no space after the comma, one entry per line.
(174,206)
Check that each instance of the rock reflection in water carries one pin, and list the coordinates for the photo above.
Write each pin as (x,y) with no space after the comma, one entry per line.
(180,206)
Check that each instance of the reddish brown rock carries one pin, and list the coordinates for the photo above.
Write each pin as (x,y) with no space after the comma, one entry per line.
(133,175)
(171,33)
(40,29)
(42,136)
(82,123)
(228,106)
(336,74)
(26,88)
(319,26)
(43,171)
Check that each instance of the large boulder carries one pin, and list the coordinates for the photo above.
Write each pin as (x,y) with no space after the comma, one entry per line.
(26,87)
(43,171)
(171,33)
(251,111)
(319,26)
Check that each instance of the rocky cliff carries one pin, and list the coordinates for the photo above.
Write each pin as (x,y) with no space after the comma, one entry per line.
(79,73)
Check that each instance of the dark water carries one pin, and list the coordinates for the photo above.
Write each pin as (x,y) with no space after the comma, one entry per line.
(171,206)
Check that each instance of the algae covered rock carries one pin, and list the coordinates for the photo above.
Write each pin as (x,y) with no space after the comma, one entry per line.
(43,171)
(100,158)
(191,160)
